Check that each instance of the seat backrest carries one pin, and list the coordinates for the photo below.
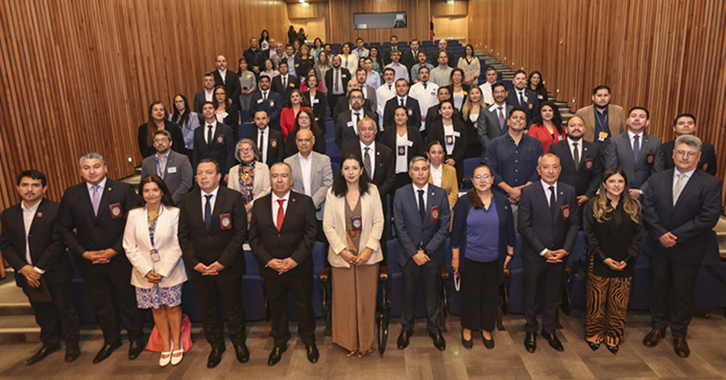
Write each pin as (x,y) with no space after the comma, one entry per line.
(392,255)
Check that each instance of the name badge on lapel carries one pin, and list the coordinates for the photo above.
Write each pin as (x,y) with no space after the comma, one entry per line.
(649,158)
(589,163)
(401,150)
(220,139)
(260,100)
(116,211)
(154,254)
(273,143)
(316,101)
(566,212)
(171,169)
(435,215)
(225,221)
(356,222)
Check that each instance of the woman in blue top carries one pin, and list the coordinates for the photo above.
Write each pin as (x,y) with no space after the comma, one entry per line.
(483,233)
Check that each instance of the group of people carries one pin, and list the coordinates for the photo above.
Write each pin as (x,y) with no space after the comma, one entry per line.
(204,191)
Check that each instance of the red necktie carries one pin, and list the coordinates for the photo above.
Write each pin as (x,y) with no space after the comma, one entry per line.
(280,214)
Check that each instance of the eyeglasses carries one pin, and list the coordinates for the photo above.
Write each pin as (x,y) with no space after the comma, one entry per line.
(688,153)
(303,117)
(482,177)
(246,150)
(163,139)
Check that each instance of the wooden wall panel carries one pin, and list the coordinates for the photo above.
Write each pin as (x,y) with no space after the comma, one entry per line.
(341,16)
(669,56)
(445,8)
(297,11)
(78,75)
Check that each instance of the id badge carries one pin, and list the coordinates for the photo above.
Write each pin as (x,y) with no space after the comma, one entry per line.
(602,136)
(155,257)
(356,222)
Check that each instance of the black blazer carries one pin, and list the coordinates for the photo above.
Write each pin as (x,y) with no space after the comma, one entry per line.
(221,149)
(436,132)
(294,240)
(344,76)
(92,232)
(343,105)
(231,85)
(539,228)
(293,83)
(318,107)
(202,245)
(384,175)
(176,137)
(46,250)
(388,138)
(232,119)
(345,134)
(532,105)
(433,113)
(291,144)
(708,162)
(273,106)
(409,60)
(691,219)
(275,145)
(199,100)
(414,112)
(586,177)
(618,238)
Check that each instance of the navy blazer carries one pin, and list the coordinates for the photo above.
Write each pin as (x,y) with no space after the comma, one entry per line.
(691,219)
(273,106)
(708,162)
(231,84)
(586,177)
(619,153)
(507,236)
(411,231)
(532,105)
(221,149)
(414,112)
(539,228)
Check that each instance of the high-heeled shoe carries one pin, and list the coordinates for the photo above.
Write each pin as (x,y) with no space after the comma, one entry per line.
(593,346)
(164,361)
(177,359)
(613,349)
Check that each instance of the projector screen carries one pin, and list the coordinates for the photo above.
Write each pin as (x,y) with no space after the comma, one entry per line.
(380,20)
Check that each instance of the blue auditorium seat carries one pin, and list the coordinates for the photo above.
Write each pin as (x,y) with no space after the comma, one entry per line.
(515,283)
(454,296)
(469,165)
(318,256)
(332,150)
(576,284)
(329,129)
(336,168)
(253,291)
(711,290)
(244,129)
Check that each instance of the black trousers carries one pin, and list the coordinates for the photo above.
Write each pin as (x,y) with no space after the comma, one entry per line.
(431,276)
(57,319)
(333,100)
(540,277)
(102,288)
(663,275)
(479,285)
(301,288)
(209,292)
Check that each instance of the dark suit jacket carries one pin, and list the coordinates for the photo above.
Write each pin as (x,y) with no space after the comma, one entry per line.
(232,85)
(232,119)
(620,153)
(96,232)
(178,176)
(275,145)
(256,58)
(433,113)
(199,100)
(414,112)
(436,132)
(221,149)
(384,175)
(345,134)
(417,148)
(411,230)
(691,219)
(387,56)
(202,245)
(532,102)
(708,162)
(409,60)
(46,250)
(539,228)
(297,66)
(343,105)
(293,83)
(176,137)
(318,107)
(273,106)
(344,76)
(610,239)
(586,177)
(294,240)
(488,128)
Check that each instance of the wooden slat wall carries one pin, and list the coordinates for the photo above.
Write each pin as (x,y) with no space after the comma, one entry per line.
(341,16)
(78,75)
(443,8)
(669,56)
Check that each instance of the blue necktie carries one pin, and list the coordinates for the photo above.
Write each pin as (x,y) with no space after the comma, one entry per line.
(553,201)
(208,211)
(421,205)
(636,147)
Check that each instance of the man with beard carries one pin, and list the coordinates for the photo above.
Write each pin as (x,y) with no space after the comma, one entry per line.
(602,119)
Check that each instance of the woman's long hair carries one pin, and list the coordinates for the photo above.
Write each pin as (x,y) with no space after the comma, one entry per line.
(601,208)
(177,119)
(227,102)
(340,185)
(313,123)
(556,117)
(151,125)
(466,108)
(166,199)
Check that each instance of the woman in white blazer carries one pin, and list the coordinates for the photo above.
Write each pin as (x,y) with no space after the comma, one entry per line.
(353,224)
(152,247)
(251,177)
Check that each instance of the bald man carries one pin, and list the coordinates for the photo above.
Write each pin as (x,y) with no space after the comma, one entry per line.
(228,79)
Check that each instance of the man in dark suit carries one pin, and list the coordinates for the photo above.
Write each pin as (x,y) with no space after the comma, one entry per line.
(410,58)
(685,124)
(492,122)
(32,247)
(549,226)
(172,167)
(423,216)
(387,52)
(680,209)
(268,101)
(344,101)
(636,152)
(212,229)
(369,92)
(347,122)
(285,82)
(206,95)
(91,223)
(256,57)
(522,96)
(214,140)
(402,98)
(282,233)
(581,161)
(269,141)
(228,79)
(336,81)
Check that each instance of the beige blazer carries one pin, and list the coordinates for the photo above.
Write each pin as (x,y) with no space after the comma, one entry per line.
(448,183)
(261,184)
(137,245)
(372,229)
(616,121)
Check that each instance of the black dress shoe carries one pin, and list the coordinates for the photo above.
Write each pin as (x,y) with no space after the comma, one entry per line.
(439,341)
(468,344)
(613,349)
(243,354)
(42,353)
(313,354)
(593,346)
(530,342)
(403,338)
(72,353)
(553,341)
(276,355)
(488,343)
(106,351)
(215,356)
(135,349)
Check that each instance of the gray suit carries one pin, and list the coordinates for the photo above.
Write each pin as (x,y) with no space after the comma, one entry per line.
(370,95)
(619,153)
(321,178)
(487,126)
(178,175)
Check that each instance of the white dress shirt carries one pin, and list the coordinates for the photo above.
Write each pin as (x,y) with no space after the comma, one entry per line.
(223,74)
(353,117)
(425,191)
(28,215)
(212,201)
(306,168)
(437,174)
(684,179)
(276,206)
(371,152)
(208,95)
(426,98)
(572,148)
(384,93)
(206,130)
(401,159)
(486,92)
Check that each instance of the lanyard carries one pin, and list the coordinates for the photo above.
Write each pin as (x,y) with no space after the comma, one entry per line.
(152,226)
(601,122)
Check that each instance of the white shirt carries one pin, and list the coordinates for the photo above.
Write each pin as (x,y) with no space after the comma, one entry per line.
(371,152)
(522,93)
(306,167)
(437,174)
(208,95)
(401,160)
(362,115)
(458,98)
(28,215)
(426,98)
(631,136)
(206,130)
(223,74)
(546,188)
(285,81)
(486,92)
(262,137)
(572,148)
(384,93)
(102,185)
(276,206)
(415,193)
(212,200)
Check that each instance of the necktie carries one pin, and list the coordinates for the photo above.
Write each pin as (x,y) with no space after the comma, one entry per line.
(677,187)
(261,142)
(401,100)
(521,99)
(367,162)
(501,118)
(337,82)
(424,84)
(280,214)
(636,147)
(208,210)
(95,199)
(421,205)
(389,87)
(284,82)
(553,200)
(264,95)
(209,134)
(357,120)
(577,155)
